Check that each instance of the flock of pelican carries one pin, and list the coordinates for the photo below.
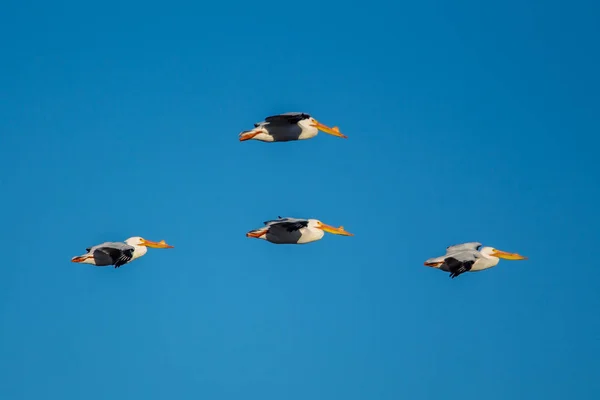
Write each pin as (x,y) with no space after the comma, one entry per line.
(461,258)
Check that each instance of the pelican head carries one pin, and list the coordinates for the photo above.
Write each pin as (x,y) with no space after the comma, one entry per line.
(491,252)
(139,241)
(313,123)
(315,223)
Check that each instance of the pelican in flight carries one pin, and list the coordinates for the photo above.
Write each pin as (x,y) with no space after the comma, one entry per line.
(295,231)
(470,257)
(287,127)
(118,253)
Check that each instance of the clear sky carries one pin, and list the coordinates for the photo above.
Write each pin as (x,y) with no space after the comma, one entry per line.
(475,121)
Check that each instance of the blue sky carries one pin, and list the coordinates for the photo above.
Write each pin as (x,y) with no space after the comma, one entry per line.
(470,122)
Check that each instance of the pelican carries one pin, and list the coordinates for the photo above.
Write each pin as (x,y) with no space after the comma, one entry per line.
(470,257)
(287,127)
(118,253)
(295,231)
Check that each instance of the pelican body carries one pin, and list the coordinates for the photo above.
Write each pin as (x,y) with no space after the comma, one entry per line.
(118,253)
(469,257)
(295,231)
(287,127)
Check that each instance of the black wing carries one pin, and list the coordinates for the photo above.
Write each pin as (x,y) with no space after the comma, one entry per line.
(287,118)
(126,256)
(457,267)
(291,226)
(112,256)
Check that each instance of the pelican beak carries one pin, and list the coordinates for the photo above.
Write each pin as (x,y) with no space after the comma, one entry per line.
(156,245)
(508,256)
(335,131)
(334,230)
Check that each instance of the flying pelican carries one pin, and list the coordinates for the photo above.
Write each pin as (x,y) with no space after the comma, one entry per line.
(471,257)
(295,231)
(118,253)
(286,127)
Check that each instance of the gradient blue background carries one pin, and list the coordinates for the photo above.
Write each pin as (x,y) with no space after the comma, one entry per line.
(475,121)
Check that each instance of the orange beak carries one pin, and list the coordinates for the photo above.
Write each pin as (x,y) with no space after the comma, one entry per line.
(335,131)
(334,230)
(156,245)
(508,256)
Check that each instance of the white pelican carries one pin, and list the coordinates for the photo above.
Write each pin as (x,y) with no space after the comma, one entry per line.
(286,127)
(118,253)
(468,257)
(295,231)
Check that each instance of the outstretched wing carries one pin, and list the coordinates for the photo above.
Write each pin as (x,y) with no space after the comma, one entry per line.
(457,267)
(289,224)
(292,226)
(464,255)
(116,254)
(463,246)
(291,118)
